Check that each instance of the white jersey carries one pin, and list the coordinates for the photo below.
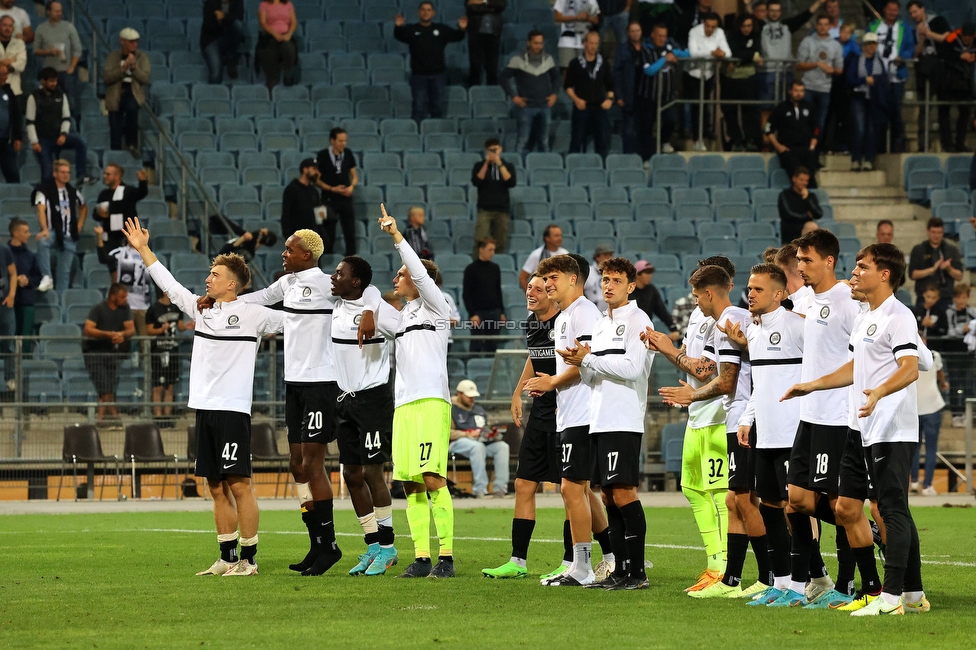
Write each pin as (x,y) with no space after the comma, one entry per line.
(776,354)
(880,338)
(361,369)
(593,288)
(575,323)
(131,272)
(826,332)
(802,299)
(698,344)
(571,34)
(729,352)
(421,337)
(225,342)
(617,370)
(308,306)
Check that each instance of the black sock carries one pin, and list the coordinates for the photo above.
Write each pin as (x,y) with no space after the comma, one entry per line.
(617,541)
(385,534)
(761,551)
(371,538)
(308,518)
(324,524)
(817,567)
(870,582)
(913,572)
(802,546)
(521,535)
(228,551)
(777,539)
(846,565)
(568,553)
(738,546)
(422,560)
(603,537)
(635,533)
(823,512)
(248,552)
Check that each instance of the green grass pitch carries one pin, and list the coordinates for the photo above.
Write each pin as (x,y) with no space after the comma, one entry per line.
(126,581)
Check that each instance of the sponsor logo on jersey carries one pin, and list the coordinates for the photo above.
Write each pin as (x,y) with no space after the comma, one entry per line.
(620,330)
(872,329)
(775,338)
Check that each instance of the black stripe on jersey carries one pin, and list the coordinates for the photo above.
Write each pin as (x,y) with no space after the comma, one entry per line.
(777,362)
(904,346)
(415,328)
(709,348)
(204,335)
(601,353)
(292,310)
(585,337)
(734,353)
(355,342)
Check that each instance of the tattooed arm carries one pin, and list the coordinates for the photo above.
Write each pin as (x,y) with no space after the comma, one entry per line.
(724,384)
(701,369)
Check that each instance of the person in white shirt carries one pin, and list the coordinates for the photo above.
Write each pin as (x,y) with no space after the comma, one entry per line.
(616,367)
(225,343)
(883,371)
(127,269)
(574,18)
(705,41)
(22,21)
(931,384)
(552,244)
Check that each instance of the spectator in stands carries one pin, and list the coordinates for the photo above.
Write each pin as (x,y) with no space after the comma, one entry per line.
(8,298)
(960,313)
(575,19)
(649,299)
(797,206)
(870,101)
(536,89)
(885,232)
(473,438)
(61,214)
(248,243)
(758,12)
(834,21)
(959,59)
(692,14)
(11,130)
(126,266)
(301,202)
(48,117)
(482,295)
(22,22)
(13,54)
(776,42)
(740,82)
(428,73)
(958,317)
(117,202)
(592,288)
(58,42)
(628,68)
(615,14)
(220,38)
(28,278)
(484,39)
(705,41)
(930,385)
(820,58)
(930,313)
(338,177)
(896,43)
(552,244)
(276,50)
(935,261)
(792,130)
(494,178)
(163,321)
(930,33)
(839,129)
(127,71)
(108,328)
(589,83)
(416,234)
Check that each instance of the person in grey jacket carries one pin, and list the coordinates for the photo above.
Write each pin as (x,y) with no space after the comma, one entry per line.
(537,80)
(776,44)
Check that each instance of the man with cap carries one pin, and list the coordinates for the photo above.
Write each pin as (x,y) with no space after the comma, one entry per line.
(471,437)
(592,289)
(649,299)
(126,73)
(301,202)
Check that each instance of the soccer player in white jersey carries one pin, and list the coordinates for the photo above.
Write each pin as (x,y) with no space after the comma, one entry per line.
(616,367)
(799,295)
(310,385)
(883,371)
(775,344)
(422,419)
(225,342)
(364,410)
(575,322)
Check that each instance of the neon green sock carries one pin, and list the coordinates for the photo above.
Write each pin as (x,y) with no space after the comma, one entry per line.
(722,514)
(707,517)
(442,505)
(418,516)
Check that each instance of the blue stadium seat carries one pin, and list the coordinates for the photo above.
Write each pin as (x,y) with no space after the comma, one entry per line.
(238,142)
(449,211)
(746,162)
(402,142)
(751,178)
(600,194)
(547,177)
(334,109)
(293,108)
(619,161)
(750,230)
(214,175)
(426,176)
(395,125)
(212,107)
(920,182)
(191,141)
(234,125)
(921,163)
(709,178)
(613,210)
(670,178)
(189,74)
(733,212)
(628,178)
(583,161)
(442,142)
(260,175)
(779,179)
(200,92)
(756,245)
(668,161)
(377,160)
(707,162)
(720,246)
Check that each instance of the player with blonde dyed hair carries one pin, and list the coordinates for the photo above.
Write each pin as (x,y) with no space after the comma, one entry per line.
(311,242)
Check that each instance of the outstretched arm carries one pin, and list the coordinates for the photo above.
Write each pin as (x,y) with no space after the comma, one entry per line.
(843,376)
(139,239)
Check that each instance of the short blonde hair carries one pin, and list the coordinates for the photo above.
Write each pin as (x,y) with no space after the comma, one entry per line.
(60,162)
(236,265)
(311,241)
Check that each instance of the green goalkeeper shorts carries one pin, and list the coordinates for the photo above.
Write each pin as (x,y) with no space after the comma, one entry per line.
(421,436)
(704,459)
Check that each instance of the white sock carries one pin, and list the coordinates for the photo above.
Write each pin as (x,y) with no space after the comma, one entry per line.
(519,561)
(368,523)
(384,515)
(781,582)
(609,558)
(798,587)
(304,493)
(913,596)
(582,565)
(890,599)
(565,563)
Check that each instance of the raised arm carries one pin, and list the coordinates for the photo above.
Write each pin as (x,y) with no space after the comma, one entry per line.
(430,293)
(139,239)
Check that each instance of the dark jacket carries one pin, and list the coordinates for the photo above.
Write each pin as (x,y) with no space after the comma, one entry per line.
(591,89)
(493,191)
(48,113)
(794,126)
(126,206)
(16,116)
(532,83)
(212,28)
(745,48)
(427,45)
(298,203)
(958,80)
(794,211)
(477,12)
(879,94)
(49,189)
(26,263)
(482,288)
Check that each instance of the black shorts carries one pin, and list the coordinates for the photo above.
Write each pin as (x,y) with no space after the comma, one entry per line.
(771,481)
(165,375)
(364,426)
(742,463)
(618,458)
(575,454)
(815,459)
(855,478)
(310,412)
(223,445)
(103,370)
(538,458)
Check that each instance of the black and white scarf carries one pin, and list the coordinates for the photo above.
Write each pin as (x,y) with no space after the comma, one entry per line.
(596,65)
(862,73)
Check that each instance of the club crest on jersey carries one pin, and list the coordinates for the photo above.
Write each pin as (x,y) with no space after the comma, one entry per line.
(306,292)
(562,330)
(233,320)
(620,330)
(704,326)
(358,318)
(552,335)
(775,338)
(872,329)
(824,311)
